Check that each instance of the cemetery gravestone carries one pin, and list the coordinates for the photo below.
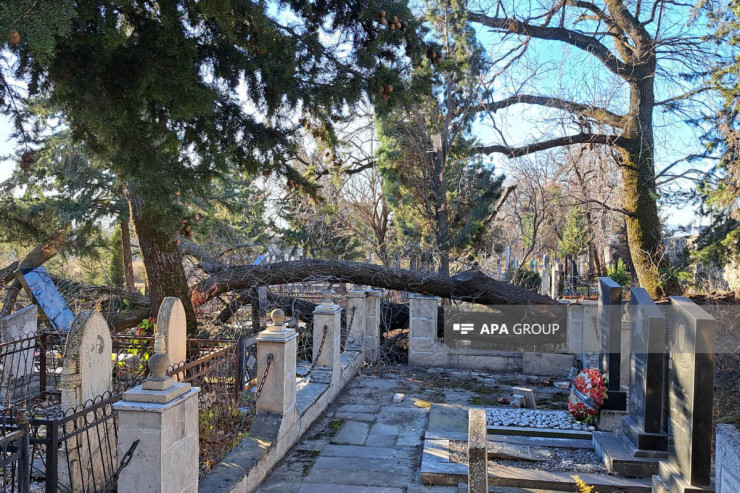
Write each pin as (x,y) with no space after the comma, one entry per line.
(40,287)
(610,334)
(172,324)
(86,376)
(641,442)
(691,390)
(87,355)
(18,357)
(545,286)
(644,427)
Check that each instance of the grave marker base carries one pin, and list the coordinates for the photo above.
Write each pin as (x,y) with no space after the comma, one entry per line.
(618,457)
(616,401)
(669,480)
(644,444)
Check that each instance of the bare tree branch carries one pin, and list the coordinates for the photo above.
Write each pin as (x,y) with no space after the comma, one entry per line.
(599,114)
(584,138)
(586,43)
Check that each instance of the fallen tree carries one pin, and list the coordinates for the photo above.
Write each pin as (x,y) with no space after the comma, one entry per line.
(471,286)
(392,315)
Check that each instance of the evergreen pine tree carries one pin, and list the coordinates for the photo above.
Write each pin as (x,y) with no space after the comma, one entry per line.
(173,94)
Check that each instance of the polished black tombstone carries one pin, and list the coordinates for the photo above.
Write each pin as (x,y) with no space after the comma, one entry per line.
(610,336)
(643,427)
(691,392)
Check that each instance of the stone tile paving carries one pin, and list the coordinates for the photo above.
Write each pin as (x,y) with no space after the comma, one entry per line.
(365,443)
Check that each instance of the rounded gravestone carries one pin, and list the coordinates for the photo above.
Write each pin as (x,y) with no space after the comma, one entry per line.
(171,322)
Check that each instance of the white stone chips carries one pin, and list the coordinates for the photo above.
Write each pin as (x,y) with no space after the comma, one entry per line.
(533,418)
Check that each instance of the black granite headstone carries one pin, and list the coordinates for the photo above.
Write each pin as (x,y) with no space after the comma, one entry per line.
(691,391)
(644,425)
(610,331)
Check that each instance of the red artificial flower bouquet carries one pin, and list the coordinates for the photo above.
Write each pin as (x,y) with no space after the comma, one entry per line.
(587,394)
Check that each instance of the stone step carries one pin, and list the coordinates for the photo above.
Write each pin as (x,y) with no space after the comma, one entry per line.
(437,468)
(618,458)
(539,432)
(563,481)
(576,443)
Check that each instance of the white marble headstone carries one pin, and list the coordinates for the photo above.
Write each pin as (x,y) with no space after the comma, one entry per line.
(172,323)
(89,350)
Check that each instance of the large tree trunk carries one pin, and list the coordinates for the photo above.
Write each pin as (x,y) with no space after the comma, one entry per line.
(638,176)
(128,263)
(472,286)
(162,259)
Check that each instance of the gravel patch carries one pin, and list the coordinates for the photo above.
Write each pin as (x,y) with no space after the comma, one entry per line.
(534,418)
(563,460)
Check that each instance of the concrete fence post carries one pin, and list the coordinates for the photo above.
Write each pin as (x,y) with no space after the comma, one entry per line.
(163,415)
(327,332)
(371,344)
(356,319)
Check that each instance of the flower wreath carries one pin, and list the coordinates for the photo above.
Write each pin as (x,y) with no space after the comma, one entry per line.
(587,394)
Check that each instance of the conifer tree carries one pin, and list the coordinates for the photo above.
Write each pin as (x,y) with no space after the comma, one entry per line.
(173,94)
(442,194)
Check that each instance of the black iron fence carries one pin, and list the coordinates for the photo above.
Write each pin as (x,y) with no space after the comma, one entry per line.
(75,449)
(29,367)
(14,454)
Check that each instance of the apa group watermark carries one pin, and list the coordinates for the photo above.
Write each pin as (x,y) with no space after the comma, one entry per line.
(507,326)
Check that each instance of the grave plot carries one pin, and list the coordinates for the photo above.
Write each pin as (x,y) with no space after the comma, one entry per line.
(527,448)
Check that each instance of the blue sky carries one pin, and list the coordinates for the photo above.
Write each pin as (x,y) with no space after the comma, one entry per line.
(563,67)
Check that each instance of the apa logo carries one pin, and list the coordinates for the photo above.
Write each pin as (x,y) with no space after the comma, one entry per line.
(463,328)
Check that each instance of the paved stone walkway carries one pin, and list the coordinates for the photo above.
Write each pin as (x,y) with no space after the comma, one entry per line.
(366,443)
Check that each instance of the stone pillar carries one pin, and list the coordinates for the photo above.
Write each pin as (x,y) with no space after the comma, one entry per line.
(163,415)
(327,332)
(276,404)
(422,327)
(545,286)
(477,451)
(371,344)
(356,319)
(557,273)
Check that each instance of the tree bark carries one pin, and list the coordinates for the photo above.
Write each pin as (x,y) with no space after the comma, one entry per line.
(469,286)
(639,189)
(634,59)
(162,259)
(128,263)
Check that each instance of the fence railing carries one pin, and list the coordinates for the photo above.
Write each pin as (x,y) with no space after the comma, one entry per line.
(29,367)
(14,456)
(74,450)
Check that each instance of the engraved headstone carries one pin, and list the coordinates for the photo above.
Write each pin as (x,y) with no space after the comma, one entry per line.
(87,354)
(644,426)
(40,287)
(610,336)
(86,378)
(172,324)
(691,391)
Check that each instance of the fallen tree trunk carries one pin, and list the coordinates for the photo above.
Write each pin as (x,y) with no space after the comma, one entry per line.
(35,258)
(392,315)
(471,286)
